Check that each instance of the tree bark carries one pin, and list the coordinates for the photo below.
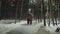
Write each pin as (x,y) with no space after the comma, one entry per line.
(16,12)
(44,13)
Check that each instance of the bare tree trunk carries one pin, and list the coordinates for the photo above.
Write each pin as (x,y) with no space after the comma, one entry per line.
(21,10)
(58,12)
(53,21)
(41,12)
(53,18)
(0,9)
(16,12)
(44,13)
(56,17)
(52,13)
(56,20)
(38,17)
(49,15)
(55,13)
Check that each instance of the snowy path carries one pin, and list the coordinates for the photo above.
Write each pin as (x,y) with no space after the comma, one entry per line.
(23,28)
(18,28)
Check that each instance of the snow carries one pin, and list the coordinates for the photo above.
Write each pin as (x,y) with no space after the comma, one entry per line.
(23,28)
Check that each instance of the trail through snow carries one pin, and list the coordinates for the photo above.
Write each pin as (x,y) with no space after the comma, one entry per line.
(24,28)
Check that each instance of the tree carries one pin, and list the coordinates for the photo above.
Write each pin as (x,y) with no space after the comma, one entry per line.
(16,11)
(44,13)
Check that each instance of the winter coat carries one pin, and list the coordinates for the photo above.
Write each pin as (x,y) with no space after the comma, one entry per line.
(29,17)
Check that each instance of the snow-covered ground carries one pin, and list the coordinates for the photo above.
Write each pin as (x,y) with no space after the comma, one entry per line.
(23,28)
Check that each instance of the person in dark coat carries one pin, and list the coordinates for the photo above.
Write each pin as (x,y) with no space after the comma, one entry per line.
(29,19)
